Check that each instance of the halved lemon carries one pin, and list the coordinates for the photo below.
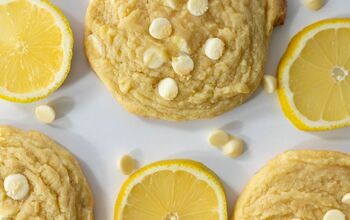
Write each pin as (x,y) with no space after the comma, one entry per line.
(35,49)
(314,80)
(172,190)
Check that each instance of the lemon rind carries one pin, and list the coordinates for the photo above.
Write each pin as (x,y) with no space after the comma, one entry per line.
(195,168)
(68,42)
(293,50)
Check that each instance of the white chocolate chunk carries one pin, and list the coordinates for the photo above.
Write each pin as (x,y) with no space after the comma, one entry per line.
(214,48)
(218,138)
(346,199)
(168,89)
(160,28)
(126,164)
(7,212)
(270,84)
(296,219)
(233,148)
(183,64)
(96,43)
(45,114)
(16,186)
(197,7)
(314,4)
(153,58)
(242,88)
(334,214)
(181,44)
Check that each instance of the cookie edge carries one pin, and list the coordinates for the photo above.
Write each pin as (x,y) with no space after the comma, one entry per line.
(287,155)
(60,149)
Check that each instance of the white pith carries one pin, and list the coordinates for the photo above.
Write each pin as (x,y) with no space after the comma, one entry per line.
(285,78)
(345,73)
(199,175)
(67,42)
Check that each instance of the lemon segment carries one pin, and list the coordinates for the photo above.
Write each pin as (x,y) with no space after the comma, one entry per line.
(35,49)
(313,75)
(172,190)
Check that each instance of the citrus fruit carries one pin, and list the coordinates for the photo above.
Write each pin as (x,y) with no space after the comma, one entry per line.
(172,190)
(313,76)
(35,49)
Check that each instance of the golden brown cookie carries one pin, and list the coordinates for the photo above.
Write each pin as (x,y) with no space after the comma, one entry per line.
(157,60)
(57,186)
(297,184)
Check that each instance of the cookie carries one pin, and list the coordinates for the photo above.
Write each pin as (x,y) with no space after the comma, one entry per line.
(40,180)
(297,184)
(180,60)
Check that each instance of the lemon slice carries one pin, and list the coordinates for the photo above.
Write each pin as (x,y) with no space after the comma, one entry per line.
(172,190)
(35,49)
(314,81)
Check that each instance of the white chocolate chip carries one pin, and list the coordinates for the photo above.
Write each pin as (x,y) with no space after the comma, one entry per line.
(296,219)
(197,7)
(214,48)
(233,148)
(16,186)
(45,114)
(168,89)
(173,4)
(153,58)
(334,214)
(346,199)
(270,84)
(218,138)
(160,28)
(183,64)
(126,164)
(314,4)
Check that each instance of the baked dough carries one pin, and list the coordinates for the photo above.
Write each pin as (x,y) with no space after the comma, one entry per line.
(58,189)
(297,184)
(117,36)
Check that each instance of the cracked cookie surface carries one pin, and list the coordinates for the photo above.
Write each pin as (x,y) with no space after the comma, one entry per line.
(297,184)
(118,36)
(57,186)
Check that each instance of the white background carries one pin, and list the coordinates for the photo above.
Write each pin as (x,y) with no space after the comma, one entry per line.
(97,130)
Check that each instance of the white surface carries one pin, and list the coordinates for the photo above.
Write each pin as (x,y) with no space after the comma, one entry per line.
(98,131)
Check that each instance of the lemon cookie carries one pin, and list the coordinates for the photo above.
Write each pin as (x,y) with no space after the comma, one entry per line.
(211,53)
(40,180)
(298,184)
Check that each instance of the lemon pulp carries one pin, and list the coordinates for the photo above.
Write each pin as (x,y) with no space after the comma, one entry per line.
(171,194)
(314,76)
(35,49)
